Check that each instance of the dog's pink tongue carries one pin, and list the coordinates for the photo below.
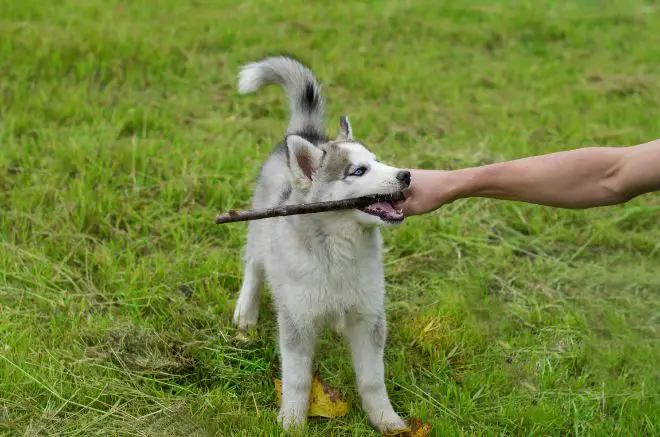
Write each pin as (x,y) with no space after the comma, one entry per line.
(382,207)
(384,210)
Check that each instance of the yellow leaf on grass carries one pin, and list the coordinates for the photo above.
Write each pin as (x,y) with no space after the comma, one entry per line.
(324,401)
(417,428)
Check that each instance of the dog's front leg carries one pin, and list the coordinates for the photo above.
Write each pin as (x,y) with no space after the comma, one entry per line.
(246,312)
(297,340)
(366,337)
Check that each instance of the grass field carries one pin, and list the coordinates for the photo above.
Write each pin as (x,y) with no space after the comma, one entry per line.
(123,136)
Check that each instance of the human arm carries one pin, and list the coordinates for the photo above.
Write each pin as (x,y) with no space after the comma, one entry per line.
(580,178)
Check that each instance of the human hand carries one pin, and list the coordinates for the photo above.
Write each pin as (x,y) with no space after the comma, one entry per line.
(429,190)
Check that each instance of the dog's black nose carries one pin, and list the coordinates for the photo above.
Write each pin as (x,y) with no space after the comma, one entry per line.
(404,176)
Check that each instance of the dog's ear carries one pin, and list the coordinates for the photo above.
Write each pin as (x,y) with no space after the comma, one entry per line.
(345,131)
(304,158)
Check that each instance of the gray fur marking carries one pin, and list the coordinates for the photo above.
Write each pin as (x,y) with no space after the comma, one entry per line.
(379,331)
(336,161)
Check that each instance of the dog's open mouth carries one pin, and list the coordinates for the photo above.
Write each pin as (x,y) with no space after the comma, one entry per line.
(386,211)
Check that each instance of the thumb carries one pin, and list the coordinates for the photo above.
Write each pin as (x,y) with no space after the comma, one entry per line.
(406,195)
(405,204)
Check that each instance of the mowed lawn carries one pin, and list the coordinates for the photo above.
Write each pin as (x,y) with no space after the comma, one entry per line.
(122,136)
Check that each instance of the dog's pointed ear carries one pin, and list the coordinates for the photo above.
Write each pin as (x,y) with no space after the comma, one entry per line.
(345,130)
(304,158)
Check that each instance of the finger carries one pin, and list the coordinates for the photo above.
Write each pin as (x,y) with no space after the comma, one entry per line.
(402,204)
(406,207)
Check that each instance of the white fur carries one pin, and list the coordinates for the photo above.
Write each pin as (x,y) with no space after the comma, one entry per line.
(324,269)
(293,77)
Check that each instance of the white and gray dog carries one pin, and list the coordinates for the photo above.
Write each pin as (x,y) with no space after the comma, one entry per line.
(324,269)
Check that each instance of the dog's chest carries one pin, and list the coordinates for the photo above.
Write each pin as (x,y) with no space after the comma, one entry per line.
(338,285)
(329,279)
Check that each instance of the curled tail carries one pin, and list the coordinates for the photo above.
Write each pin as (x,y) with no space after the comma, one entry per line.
(306,102)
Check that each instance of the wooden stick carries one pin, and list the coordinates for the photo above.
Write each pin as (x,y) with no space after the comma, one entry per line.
(307,208)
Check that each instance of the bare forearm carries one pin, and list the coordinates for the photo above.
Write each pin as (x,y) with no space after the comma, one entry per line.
(581,178)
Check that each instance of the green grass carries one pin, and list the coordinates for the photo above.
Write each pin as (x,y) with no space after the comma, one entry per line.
(123,136)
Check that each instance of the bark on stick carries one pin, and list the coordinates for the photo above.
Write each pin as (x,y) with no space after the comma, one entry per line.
(307,208)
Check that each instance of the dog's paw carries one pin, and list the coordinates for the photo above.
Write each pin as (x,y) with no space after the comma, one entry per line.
(290,418)
(245,316)
(387,422)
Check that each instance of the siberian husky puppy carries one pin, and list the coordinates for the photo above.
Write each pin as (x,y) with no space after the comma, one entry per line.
(324,269)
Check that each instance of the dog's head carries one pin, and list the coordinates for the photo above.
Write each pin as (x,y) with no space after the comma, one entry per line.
(342,169)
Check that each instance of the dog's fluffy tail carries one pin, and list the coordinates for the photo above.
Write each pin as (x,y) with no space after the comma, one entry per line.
(306,102)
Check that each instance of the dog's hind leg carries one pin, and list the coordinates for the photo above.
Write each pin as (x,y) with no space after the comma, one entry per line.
(246,312)
(366,337)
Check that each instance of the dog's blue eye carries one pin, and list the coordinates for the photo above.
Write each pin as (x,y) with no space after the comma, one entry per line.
(359,171)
